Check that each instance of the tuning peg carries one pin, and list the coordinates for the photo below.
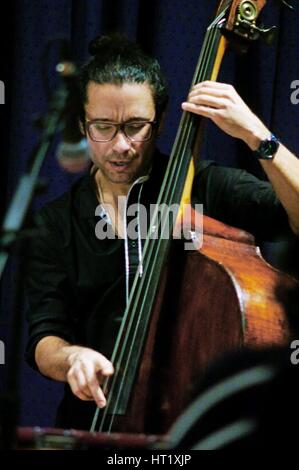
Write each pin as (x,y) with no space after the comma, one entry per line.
(268,35)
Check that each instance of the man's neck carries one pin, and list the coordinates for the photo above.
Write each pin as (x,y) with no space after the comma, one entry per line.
(108,189)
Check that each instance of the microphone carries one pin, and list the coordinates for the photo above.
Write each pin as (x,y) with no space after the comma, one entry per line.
(73,151)
(73,157)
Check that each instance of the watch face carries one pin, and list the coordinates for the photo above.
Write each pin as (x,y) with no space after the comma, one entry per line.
(272,147)
(268,148)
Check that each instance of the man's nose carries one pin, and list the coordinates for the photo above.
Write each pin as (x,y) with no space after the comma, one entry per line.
(121,143)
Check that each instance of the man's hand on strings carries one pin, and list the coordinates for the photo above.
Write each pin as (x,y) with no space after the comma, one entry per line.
(87,371)
(222,104)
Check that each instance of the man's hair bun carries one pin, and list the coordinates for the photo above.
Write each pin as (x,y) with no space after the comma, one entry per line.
(114,43)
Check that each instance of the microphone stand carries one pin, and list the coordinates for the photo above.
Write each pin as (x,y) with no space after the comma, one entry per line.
(13,235)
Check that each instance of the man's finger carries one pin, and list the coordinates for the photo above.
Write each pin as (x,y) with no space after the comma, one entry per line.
(207,100)
(78,386)
(105,367)
(93,384)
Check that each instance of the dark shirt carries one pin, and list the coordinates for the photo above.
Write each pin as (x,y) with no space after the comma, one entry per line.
(76,282)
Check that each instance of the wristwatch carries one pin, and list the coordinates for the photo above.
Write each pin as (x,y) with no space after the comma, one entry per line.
(267,148)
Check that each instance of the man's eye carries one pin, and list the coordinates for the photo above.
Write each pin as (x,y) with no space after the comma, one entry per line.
(135,126)
(103,127)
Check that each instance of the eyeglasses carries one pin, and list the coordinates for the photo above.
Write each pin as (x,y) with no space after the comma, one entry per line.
(136,131)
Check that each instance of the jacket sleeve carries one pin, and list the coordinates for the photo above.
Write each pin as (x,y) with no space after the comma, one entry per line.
(47,292)
(239,199)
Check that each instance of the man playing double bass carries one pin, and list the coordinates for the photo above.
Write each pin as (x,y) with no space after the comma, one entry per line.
(76,283)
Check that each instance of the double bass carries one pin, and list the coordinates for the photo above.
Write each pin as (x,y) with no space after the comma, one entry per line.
(186,308)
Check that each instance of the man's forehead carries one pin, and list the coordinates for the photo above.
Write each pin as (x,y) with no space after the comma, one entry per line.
(126,90)
(135,98)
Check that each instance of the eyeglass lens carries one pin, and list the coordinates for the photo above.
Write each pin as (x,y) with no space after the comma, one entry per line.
(137,131)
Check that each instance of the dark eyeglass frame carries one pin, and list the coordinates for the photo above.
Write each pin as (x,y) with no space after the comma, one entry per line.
(119,126)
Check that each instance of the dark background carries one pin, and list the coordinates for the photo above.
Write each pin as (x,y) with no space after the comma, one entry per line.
(171,30)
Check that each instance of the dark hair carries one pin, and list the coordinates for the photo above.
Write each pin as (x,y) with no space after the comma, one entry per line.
(117,60)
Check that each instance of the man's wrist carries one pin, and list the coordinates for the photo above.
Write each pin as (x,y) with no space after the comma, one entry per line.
(256,136)
(267,148)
